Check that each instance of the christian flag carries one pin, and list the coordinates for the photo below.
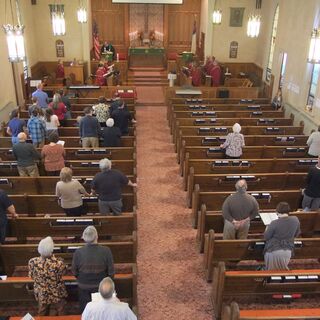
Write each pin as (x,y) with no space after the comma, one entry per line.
(96,44)
(194,37)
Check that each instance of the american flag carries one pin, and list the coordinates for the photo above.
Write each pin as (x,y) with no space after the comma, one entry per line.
(96,44)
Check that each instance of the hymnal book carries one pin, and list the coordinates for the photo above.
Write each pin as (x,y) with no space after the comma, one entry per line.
(28,316)
(268,217)
(61,142)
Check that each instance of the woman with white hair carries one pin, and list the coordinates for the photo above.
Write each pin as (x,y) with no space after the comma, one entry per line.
(70,192)
(58,108)
(47,271)
(234,143)
(111,135)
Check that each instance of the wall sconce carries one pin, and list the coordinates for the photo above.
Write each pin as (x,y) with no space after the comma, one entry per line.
(217,16)
(254,22)
(82,13)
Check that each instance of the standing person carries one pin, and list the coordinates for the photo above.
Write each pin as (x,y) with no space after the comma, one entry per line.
(311,194)
(90,130)
(47,271)
(66,101)
(6,205)
(37,129)
(90,264)
(58,108)
(42,96)
(108,185)
(60,69)
(314,144)
(111,135)
(237,210)
(27,156)
(52,123)
(100,79)
(109,307)
(234,143)
(279,236)
(101,110)
(70,192)
(15,126)
(34,105)
(122,117)
(108,47)
(53,155)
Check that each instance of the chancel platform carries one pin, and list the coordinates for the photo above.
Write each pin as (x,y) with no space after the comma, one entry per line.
(146,57)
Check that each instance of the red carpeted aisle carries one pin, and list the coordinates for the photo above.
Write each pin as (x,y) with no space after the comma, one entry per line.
(171,281)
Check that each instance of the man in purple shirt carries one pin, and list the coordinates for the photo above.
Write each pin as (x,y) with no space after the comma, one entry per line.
(41,96)
(15,126)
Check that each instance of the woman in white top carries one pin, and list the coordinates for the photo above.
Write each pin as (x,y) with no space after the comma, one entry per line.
(234,143)
(314,143)
(52,122)
(70,192)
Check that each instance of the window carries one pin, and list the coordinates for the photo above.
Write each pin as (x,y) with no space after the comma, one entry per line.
(25,69)
(57,19)
(283,69)
(313,85)
(272,44)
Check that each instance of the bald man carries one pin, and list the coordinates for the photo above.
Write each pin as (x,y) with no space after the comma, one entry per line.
(27,156)
(237,210)
(109,307)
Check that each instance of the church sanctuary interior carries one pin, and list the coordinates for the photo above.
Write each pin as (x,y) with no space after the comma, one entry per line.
(159,160)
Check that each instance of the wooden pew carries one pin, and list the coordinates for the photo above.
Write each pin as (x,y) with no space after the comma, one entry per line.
(71,142)
(267,199)
(81,100)
(34,204)
(224,130)
(226,182)
(114,153)
(16,289)
(309,224)
(230,251)
(262,152)
(228,284)
(233,312)
(14,255)
(79,168)
(44,185)
(245,166)
(28,227)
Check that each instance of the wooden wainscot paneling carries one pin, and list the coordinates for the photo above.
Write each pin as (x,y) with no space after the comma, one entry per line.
(112,21)
(179,20)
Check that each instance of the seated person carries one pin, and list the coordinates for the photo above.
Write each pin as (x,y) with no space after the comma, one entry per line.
(109,306)
(47,271)
(277,100)
(60,69)
(279,236)
(111,135)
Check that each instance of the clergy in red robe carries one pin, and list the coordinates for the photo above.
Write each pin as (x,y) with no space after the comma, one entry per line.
(215,74)
(196,76)
(100,80)
(60,70)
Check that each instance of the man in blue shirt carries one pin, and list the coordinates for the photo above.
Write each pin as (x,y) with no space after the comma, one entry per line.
(41,96)
(15,126)
(36,129)
(90,129)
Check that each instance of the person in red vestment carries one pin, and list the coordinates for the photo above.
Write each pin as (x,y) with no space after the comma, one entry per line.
(195,75)
(215,74)
(60,70)
(100,80)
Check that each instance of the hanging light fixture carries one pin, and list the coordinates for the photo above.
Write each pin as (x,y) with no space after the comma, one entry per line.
(14,35)
(217,16)
(82,13)
(314,49)
(57,19)
(254,22)
(253,27)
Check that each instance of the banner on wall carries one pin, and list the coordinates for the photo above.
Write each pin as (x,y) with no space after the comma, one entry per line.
(59,49)
(233,52)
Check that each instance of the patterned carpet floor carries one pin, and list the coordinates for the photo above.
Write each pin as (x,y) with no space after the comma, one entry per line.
(171,281)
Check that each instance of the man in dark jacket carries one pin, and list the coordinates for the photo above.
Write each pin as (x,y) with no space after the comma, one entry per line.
(122,117)
(111,135)
(90,265)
